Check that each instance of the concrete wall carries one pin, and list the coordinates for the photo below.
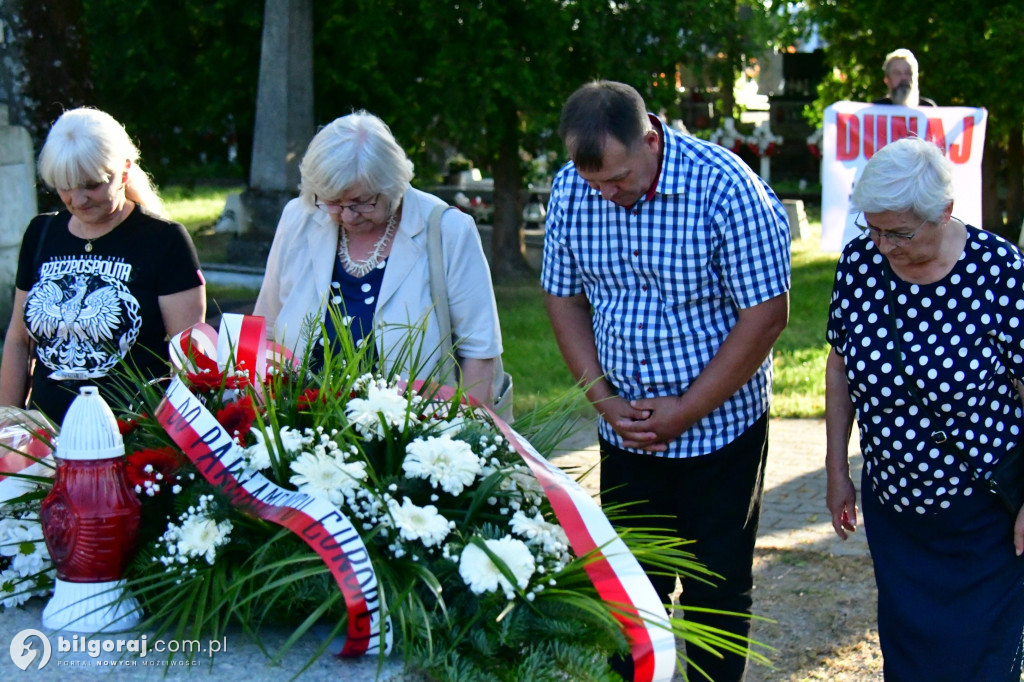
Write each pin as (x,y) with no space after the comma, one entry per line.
(17,204)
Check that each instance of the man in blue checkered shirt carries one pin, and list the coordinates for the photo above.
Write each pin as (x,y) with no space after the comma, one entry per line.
(666,269)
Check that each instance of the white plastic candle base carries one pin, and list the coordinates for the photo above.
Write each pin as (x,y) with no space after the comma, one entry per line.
(91,608)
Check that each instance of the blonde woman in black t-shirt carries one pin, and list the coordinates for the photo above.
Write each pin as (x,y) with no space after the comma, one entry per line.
(108,278)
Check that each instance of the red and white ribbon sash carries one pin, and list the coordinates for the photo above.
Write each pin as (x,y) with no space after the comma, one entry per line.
(241,344)
(218,457)
(616,574)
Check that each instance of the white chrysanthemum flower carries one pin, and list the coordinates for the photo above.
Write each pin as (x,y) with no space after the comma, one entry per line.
(419,523)
(30,564)
(12,591)
(449,464)
(200,536)
(382,405)
(257,455)
(22,539)
(292,439)
(12,534)
(526,482)
(481,574)
(354,476)
(324,476)
(550,537)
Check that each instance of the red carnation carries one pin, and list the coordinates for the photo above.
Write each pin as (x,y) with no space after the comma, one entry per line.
(310,397)
(126,426)
(237,418)
(205,381)
(151,470)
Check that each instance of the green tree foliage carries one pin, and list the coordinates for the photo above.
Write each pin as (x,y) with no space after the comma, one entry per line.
(180,74)
(969,55)
(488,78)
(485,78)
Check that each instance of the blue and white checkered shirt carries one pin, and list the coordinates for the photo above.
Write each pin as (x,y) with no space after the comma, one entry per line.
(667,277)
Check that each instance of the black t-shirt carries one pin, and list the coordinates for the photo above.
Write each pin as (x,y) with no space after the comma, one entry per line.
(86,311)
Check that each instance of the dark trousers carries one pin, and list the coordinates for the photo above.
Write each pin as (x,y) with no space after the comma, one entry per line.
(714,500)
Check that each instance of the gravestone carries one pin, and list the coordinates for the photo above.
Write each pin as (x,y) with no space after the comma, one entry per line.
(17,204)
(798,225)
(283,126)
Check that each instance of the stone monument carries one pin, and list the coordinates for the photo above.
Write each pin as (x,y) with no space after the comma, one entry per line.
(17,204)
(283,126)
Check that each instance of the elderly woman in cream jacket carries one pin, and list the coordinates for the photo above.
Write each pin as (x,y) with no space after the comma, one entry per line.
(356,238)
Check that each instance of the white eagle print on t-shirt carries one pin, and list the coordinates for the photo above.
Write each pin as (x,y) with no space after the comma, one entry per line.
(82,316)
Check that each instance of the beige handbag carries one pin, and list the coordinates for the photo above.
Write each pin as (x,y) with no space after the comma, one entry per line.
(439,294)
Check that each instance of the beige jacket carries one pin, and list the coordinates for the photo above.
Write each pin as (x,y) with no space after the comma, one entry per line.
(301,263)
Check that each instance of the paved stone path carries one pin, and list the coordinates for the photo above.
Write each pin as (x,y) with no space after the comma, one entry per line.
(793,515)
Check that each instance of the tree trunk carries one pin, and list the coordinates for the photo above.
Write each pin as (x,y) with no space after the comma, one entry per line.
(507,259)
(56,61)
(991,214)
(1015,182)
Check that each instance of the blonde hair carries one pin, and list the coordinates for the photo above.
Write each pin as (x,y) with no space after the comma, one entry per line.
(356,151)
(87,145)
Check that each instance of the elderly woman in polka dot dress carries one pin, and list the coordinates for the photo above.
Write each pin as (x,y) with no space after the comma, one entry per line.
(353,248)
(947,556)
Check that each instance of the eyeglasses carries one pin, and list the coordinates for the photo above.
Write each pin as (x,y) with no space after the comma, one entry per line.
(893,237)
(361,208)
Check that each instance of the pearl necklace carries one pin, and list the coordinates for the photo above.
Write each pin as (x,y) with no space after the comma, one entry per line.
(360,268)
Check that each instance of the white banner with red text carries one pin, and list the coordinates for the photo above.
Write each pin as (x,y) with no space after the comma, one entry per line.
(854,131)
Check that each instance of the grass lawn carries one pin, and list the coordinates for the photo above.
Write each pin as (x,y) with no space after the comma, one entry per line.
(532,356)
(197,208)
(801,350)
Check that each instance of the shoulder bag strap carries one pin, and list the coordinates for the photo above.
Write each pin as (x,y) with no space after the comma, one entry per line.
(938,436)
(439,287)
(38,260)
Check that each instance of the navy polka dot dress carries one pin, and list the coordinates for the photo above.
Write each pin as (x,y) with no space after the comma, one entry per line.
(951,590)
(961,339)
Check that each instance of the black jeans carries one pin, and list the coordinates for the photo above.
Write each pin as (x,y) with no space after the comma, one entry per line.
(714,500)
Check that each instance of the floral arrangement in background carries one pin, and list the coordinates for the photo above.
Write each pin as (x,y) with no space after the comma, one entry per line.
(728,136)
(25,567)
(26,570)
(762,141)
(476,575)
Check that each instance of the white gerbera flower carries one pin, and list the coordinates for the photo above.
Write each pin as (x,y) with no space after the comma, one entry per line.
(200,536)
(419,523)
(482,575)
(450,464)
(382,405)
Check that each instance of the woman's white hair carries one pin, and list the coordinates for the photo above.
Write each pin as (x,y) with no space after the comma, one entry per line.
(354,152)
(86,146)
(907,175)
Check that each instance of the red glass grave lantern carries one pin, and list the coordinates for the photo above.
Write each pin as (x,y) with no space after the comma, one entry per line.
(90,522)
